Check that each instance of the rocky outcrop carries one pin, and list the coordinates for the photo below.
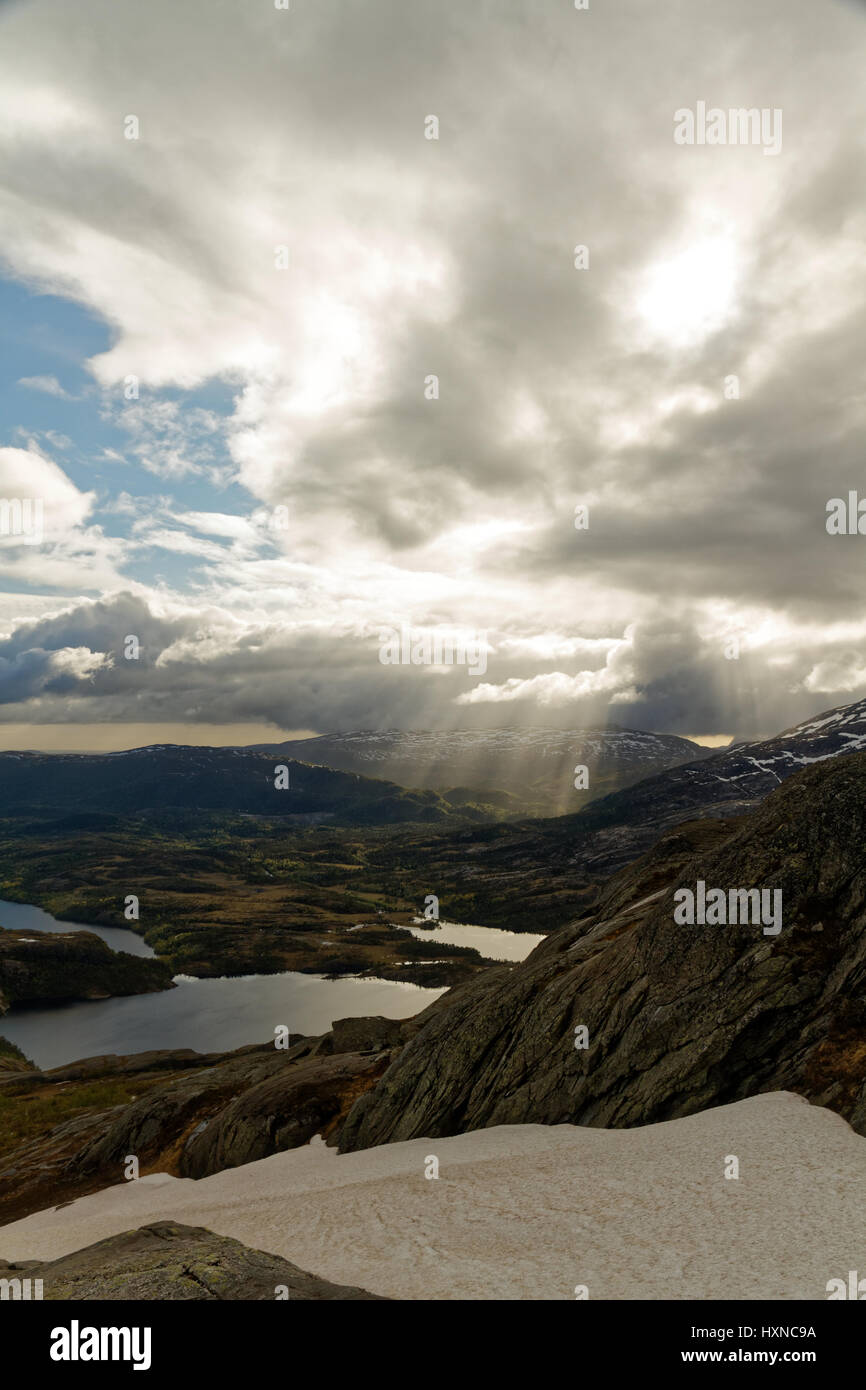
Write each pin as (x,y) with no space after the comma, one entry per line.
(364,1034)
(282,1111)
(170,1261)
(52,967)
(196,1114)
(679,1018)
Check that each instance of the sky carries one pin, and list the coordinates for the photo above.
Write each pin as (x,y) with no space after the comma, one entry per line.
(298,348)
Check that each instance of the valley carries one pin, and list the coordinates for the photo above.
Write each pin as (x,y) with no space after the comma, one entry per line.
(395,1028)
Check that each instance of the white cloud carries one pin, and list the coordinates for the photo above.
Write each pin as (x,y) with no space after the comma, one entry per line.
(58,548)
(844,673)
(25,473)
(48,384)
(79,662)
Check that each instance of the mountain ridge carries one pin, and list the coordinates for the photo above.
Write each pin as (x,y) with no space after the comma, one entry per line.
(161,778)
(678,1018)
(535,764)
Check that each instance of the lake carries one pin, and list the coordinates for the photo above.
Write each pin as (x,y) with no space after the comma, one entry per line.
(207,1015)
(489,941)
(23,917)
(220,1014)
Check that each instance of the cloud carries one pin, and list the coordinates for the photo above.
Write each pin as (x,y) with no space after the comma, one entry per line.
(169,438)
(410,259)
(46,536)
(37,673)
(210,663)
(27,474)
(48,384)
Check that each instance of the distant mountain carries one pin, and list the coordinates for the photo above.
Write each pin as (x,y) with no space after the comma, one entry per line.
(536,874)
(738,778)
(535,766)
(181,783)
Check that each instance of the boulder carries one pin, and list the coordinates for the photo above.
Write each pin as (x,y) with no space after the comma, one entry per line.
(168,1261)
(365,1034)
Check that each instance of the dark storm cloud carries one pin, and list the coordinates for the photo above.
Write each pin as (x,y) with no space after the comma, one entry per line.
(454,258)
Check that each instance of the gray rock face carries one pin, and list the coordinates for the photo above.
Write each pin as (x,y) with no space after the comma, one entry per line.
(175,1262)
(281,1112)
(679,1017)
(237,1112)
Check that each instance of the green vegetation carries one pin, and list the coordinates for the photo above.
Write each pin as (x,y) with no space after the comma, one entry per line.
(228,893)
(245,894)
